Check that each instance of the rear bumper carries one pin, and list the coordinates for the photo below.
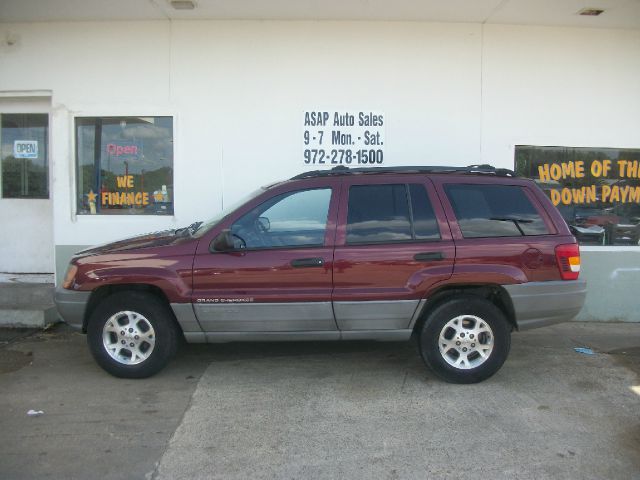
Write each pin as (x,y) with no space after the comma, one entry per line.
(71,305)
(538,304)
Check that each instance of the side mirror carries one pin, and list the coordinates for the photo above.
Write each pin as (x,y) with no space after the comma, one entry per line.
(223,242)
(263,224)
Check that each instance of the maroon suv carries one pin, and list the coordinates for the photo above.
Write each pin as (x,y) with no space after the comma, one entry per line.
(457,257)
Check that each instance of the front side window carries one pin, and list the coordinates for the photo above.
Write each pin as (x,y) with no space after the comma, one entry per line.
(494,211)
(124,165)
(292,219)
(25,152)
(390,213)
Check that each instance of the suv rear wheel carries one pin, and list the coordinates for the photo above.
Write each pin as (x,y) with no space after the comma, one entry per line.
(132,334)
(465,339)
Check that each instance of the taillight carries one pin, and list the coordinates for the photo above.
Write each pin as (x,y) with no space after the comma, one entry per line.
(568,258)
(70,276)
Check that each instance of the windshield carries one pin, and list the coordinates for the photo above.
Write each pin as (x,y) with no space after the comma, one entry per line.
(206,226)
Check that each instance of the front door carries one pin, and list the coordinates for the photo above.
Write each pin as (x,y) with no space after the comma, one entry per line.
(279,276)
(394,244)
(26,212)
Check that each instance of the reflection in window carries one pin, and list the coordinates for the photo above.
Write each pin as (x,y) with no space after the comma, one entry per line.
(25,164)
(293,219)
(378,213)
(494,211)
(124,165)
(424,219)
(597,190)
(381,213)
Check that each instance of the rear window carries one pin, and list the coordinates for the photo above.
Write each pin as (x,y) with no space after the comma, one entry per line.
(494,211)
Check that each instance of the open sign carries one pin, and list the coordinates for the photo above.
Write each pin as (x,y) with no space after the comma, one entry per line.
(119,150)
(25,148)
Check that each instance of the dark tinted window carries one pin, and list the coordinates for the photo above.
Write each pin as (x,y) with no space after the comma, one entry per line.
(378,213)
(424,219)
(381,213)
(494,211)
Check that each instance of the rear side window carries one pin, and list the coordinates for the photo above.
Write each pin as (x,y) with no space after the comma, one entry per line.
(494,211)
(390,213)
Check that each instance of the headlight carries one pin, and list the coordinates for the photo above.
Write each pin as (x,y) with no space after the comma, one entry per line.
(70,276)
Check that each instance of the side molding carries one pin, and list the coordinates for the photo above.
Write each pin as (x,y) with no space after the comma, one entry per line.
(374,315)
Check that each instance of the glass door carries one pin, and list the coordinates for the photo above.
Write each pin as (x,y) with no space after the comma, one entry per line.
(25,152)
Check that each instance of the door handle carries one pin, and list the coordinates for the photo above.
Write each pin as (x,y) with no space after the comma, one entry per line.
(307,262)
(428,256)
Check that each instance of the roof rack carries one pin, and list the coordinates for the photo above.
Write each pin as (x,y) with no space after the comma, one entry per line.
(471,169)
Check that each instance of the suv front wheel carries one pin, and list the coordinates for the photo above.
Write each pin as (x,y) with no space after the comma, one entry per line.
(132,334)
(465,339)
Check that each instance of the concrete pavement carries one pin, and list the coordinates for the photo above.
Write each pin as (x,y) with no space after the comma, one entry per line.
(325,410)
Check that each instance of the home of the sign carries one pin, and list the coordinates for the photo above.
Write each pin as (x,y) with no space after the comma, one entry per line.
(624,169)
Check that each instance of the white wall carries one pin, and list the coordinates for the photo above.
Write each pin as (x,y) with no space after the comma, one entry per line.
(451,93)
(242,97)
(26,241)
(554,86)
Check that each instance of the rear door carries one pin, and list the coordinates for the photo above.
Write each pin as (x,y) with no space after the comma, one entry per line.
(393,245)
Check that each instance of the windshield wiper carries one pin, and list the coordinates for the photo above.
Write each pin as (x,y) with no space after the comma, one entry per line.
(516,222)
(191,228)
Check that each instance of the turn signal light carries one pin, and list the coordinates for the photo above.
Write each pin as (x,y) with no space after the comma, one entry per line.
(568,258)
(69,276)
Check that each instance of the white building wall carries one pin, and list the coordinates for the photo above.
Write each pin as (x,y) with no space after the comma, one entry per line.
(451,94)
(242,97)
(92,68)
(574,87)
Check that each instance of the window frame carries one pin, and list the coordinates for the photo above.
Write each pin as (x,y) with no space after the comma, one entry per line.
(133,110)
(413,240)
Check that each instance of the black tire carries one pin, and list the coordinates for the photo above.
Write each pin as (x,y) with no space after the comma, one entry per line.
(479,312)
(162,337)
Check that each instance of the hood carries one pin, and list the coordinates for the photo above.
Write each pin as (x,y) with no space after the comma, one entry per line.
(148,240)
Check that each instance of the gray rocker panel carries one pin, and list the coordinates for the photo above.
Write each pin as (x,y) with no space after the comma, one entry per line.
(266,317)
(375,315)
(377,335)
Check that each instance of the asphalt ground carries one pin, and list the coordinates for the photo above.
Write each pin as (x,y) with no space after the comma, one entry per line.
(334,410)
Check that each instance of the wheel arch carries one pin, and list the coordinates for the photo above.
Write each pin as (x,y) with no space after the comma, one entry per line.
(495,294)
(105,291)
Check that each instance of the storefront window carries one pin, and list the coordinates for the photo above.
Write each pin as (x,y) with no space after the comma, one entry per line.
(597,190)
(25,164)
(124,165)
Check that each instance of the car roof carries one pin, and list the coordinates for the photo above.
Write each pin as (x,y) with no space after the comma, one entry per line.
(409,169)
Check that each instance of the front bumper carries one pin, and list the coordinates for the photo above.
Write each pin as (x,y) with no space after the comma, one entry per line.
(71,305)
(537,304)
